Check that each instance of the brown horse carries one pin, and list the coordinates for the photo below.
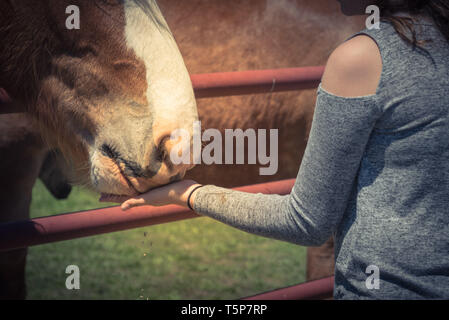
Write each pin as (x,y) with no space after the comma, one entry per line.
(233,35)
(107,94)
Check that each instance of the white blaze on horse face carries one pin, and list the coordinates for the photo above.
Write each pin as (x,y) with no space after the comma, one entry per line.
(169,92)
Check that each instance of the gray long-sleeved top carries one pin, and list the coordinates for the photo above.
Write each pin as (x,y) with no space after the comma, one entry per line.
(375,175)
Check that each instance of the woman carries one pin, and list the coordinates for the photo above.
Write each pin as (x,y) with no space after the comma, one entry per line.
(375,173)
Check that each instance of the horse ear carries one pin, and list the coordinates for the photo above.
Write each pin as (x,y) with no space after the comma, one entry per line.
(7,105)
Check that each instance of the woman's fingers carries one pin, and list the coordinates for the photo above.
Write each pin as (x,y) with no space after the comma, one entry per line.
(173,193)
(133,202)
(127,202)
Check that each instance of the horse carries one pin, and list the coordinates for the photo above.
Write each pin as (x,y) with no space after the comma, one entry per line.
(107,93)
(245,35)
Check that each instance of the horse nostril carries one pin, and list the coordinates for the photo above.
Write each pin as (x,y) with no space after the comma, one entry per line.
(161,154)
(173,152)
(162,150)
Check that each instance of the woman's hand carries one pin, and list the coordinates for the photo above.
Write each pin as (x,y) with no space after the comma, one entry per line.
(174,193)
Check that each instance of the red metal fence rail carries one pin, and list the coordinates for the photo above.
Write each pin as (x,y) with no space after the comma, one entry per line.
(68,226)
(259,81)
(312,290)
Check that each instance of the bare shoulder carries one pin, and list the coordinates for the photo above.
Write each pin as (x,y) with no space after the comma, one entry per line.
(354,68)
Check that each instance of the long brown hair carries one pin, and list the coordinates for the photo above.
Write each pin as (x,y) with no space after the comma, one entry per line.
(438,10)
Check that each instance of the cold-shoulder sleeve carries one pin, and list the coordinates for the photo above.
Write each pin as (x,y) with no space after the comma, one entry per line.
(309,215)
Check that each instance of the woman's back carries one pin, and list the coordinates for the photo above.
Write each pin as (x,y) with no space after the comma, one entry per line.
(397,219)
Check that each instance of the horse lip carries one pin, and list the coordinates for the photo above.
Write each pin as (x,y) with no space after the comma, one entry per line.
(130,185)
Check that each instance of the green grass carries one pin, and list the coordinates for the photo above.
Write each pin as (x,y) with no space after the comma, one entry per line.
(192,259)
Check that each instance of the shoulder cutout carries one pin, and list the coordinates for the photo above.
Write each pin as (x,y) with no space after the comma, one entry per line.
(354,68)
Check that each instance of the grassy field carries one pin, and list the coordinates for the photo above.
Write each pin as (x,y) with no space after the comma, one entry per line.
(193,259)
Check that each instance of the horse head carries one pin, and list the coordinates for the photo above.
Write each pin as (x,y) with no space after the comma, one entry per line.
(108,93)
